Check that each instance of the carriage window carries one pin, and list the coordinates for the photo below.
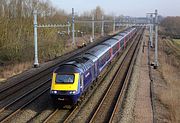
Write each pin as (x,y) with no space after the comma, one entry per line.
(64,79)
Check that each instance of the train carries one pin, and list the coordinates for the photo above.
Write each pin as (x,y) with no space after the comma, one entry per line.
(71,79)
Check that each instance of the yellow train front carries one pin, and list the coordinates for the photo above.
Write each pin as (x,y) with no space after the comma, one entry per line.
(65,87)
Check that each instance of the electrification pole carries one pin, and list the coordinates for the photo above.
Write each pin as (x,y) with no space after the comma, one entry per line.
(68,28)
(93,26)
(156,40)
(36,63)
(150,33)
(114,25)
(151,30)
(102,29)
(73,31)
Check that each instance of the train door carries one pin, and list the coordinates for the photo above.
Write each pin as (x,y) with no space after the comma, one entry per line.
(124,42)
(119,45)
(95,69)
(82,83)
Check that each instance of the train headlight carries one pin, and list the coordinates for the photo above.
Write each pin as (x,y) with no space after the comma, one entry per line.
(54,92)
(72,92)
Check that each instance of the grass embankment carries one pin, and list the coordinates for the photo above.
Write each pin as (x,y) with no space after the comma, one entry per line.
(170,69)
(177,43)
(17,45)
(174,45)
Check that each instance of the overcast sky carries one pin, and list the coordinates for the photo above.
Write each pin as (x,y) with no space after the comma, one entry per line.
(137,8)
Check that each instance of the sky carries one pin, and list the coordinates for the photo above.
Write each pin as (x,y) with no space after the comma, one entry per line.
(135,8)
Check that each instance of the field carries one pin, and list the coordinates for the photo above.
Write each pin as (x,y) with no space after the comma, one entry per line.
(177,42)
(167,86)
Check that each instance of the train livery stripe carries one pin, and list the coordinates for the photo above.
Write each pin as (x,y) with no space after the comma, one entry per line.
(65,87)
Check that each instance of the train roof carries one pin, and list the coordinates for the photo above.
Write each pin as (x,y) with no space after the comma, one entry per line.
(91,57)
(130,29)
(111,42)
(118,37)
(133,29)
(78,64)
(98,50)
(69,67)
(122,34)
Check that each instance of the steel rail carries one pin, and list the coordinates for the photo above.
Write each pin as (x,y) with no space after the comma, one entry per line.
(50,116)
(23,106)
(24,95)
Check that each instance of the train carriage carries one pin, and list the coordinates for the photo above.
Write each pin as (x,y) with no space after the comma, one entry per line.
(103,53)
(123,39)
(120,41)
(71,79)
(114,44)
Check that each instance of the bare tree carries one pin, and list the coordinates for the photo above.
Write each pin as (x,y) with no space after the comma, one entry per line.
(98,12)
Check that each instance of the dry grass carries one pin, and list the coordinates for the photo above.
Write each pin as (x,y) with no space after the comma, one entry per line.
(17,68)
(171,73)
(177,41)
(13,69)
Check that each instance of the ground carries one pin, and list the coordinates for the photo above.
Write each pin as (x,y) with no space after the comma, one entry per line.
(167,82)
(137,107)
(157,100)
(143,108)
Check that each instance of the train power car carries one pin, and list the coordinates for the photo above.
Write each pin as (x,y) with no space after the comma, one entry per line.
(71,79)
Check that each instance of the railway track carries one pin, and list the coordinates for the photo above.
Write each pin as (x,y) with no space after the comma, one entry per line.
(55,116)
(107,108)
(114,117)
(20,103)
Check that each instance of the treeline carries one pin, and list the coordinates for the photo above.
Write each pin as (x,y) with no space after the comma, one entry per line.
(17,34)
(171,26)
(16,30)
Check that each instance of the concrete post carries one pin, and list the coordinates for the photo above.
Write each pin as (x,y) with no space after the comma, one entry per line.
(36,63)
(156,40)
(102,29)
(68,28)
(151,30)
(114,25)
(73,35)
(93,26)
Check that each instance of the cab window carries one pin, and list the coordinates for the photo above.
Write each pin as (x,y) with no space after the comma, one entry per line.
(64,79)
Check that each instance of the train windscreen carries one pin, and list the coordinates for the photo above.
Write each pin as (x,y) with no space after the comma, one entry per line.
(60,78)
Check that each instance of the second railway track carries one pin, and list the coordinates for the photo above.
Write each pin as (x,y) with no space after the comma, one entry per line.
(106,109)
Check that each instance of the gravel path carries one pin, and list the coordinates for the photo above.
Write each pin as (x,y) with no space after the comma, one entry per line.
(137,105)
(143,109)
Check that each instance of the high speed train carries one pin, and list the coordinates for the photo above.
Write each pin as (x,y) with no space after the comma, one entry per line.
(71,79)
